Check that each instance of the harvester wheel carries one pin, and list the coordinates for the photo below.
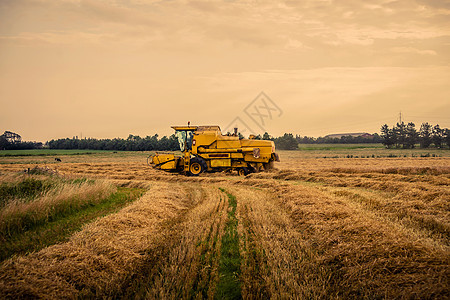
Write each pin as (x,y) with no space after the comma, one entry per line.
(269,165)
(243,171)
(196,166)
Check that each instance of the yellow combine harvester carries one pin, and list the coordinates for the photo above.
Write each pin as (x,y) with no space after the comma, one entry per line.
(205,149)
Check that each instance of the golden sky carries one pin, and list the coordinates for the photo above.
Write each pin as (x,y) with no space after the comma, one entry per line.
(109,68)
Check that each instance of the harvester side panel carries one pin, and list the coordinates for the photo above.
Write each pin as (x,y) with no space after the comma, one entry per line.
(220,163)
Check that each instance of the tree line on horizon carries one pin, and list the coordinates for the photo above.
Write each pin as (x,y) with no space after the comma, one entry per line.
(407,137)
(132,143)
(399,136)
(12,141)
(290,142)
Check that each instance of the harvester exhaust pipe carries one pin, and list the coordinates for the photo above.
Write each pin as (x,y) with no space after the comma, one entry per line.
(235,131)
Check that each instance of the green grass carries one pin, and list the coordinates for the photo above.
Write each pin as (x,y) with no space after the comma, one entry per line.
(362,151)
(27,189)
(312,147)
(48,152)
(61,228)
(229,286)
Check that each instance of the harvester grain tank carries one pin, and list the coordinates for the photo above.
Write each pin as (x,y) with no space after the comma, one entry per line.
(206,149)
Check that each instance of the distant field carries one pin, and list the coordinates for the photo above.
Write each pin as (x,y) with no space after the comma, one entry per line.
(44,152)
(364,151)
(339,146)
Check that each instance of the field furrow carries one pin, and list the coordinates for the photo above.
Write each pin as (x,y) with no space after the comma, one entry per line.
(276,257)
(189,266)
(422,207)
(353,253)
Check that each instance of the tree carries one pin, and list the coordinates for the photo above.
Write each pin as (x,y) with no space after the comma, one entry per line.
(4,144)
(286,142)
(425,135)
(173,143)
(306,140)
(387,135)
(376,138)
(12,141)
(266,136)
(411,135)
(447,136)
(437,136)
(400,135)
(164,143)
(12,137)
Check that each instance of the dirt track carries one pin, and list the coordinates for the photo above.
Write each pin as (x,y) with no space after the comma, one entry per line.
(350,230)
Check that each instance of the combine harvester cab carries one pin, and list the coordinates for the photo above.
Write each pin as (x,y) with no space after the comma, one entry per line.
(205,149)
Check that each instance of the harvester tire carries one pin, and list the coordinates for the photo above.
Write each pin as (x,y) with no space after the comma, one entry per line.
(269,165)
(243,171)
(197,166)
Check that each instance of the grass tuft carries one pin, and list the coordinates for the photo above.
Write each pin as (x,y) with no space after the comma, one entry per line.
(230,260)
(27,188)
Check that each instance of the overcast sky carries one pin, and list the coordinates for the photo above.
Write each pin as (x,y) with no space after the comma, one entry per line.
(109,68)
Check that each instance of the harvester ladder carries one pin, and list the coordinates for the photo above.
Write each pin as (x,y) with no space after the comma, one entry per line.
(187,157)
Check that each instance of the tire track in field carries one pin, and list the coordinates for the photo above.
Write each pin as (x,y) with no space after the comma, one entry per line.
(276,257)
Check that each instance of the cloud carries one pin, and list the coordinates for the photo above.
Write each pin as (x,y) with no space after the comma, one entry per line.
(115,13)
(53,38)
(413,50)
(441,4)
(242,23)
(295,44)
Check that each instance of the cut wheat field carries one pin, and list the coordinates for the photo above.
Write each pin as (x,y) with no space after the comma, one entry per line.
(313,228)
